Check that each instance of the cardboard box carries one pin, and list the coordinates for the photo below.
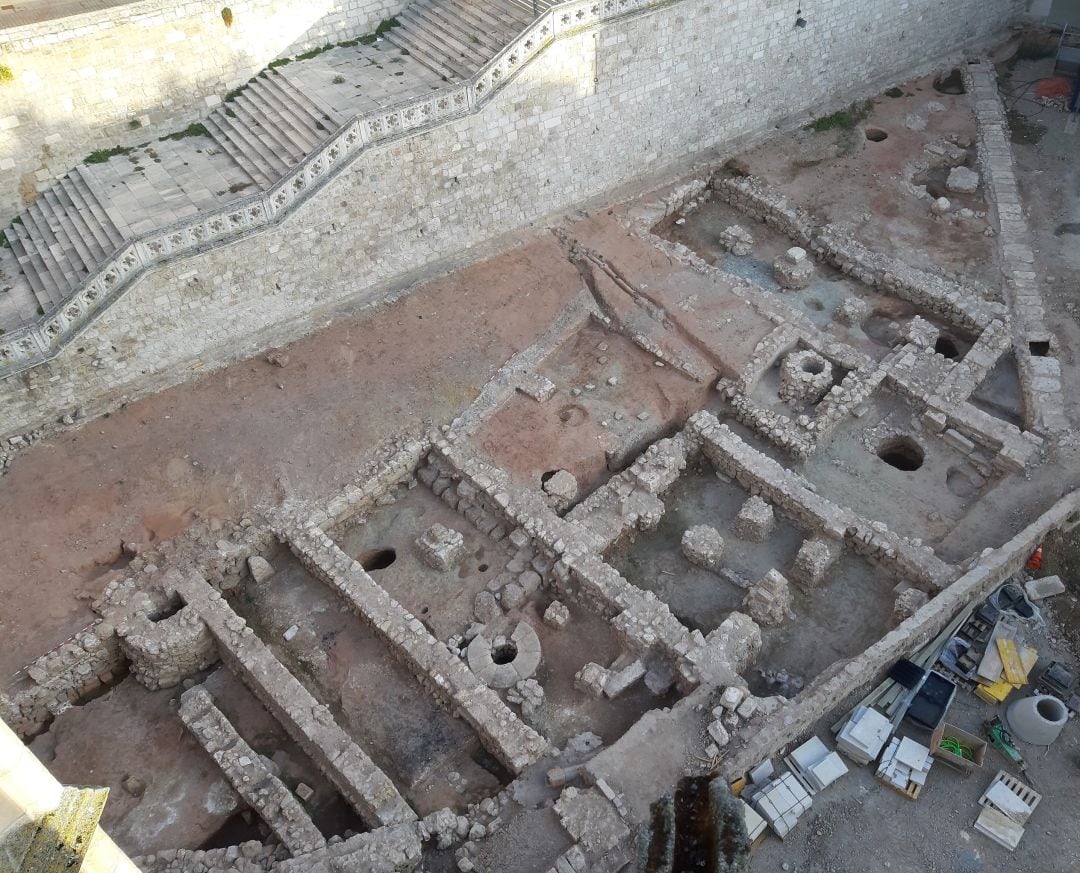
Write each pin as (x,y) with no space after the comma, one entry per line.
(977,746)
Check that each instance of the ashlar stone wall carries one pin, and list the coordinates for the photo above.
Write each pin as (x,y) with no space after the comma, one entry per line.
(594,111)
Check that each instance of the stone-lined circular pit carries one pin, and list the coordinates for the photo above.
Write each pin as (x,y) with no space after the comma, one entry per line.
(805,377)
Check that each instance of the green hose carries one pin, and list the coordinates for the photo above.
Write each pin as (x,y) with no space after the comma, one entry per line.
(953,745)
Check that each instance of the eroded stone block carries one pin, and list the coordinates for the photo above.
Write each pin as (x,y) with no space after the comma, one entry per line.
(702,545)
(769,600)
(755,521)
(441,548)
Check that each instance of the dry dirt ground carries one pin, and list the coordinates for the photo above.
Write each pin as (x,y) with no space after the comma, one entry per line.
(254,433)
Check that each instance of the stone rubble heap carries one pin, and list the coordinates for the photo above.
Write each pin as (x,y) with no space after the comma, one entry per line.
(737,240)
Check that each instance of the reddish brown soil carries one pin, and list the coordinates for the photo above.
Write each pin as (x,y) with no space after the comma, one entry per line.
(235,438)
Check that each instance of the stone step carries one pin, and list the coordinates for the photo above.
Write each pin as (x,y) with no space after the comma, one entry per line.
(18,302)
(455,45)
(54,246)
(57,278)
(295,122)
(500,29)
(108,235)
(465,25)
(242,144)
(271,130)
(421,53)
(102,204)
(315,107)
(86,244)
(263,175)
(67,233)
(33,268)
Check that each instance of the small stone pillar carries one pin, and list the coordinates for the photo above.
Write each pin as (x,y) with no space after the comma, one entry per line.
(561,489)
(909,602)
(755,521)
(815,558)
(793,269)
(702,545)
(440,547)
(769,600)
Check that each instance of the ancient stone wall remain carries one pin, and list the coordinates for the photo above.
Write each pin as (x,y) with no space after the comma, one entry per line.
(959,305)
(368,790)
(509,739)
(248,773)
(79,82)
(840,683)
(93,658)
(592,111)
(162,653)
(792,494)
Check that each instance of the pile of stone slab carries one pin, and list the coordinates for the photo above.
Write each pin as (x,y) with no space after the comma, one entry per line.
(864,735)
(904,766)
(780,802)
(815,766)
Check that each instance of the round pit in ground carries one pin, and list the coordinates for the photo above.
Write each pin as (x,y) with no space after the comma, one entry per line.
(901,452)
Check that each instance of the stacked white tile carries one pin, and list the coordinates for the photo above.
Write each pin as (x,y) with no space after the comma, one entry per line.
(755,824)
(905,761)
(781,802)
(864,735)
(815,766)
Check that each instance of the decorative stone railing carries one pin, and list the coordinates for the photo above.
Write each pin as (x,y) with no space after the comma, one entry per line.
(36,343)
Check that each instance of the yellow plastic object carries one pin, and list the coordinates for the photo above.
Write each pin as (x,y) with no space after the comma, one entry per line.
(995,693)
(1010,661)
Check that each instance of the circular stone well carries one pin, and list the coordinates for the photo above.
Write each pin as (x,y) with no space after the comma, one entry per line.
(805,377)
(502,662)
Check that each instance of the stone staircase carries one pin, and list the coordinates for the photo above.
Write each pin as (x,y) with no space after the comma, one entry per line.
(251,141)
(454,38)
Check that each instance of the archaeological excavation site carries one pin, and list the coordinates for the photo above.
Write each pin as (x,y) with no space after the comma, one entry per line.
(600,436)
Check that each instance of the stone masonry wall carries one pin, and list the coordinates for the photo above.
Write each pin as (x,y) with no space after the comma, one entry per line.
(79,82)
(595,109)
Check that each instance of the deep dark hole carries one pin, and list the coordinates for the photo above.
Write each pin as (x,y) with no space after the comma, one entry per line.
(238,828)
(946,346)
(876,134)
(170,609)
(377,559)
(813,366)
(482,568)
(694,831)
(950,84)
(546,477)
(1039,348)
(505,653)
(904,454)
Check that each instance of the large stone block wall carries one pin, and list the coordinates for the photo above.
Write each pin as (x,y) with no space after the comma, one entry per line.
(80,81)
(592,112)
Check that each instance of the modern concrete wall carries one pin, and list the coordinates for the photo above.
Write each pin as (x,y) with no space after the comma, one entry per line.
(123,75)
(594,111)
